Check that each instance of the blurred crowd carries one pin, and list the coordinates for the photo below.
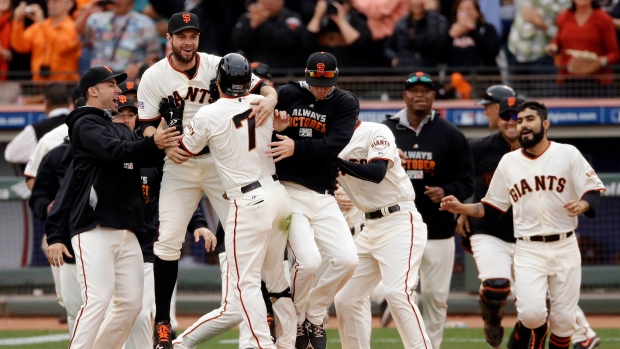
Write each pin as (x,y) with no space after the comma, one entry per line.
(56,40)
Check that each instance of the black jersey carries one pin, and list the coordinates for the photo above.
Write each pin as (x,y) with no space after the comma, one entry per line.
(487,153)
(437,155)
(320,129)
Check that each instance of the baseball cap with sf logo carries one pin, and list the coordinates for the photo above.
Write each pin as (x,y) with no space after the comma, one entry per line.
(183,20)
(96,75)
(322,69)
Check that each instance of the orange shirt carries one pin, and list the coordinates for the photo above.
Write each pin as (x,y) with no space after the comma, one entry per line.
(55,46)
(5,41)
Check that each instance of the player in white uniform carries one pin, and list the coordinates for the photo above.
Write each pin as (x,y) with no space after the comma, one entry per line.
(391,244)
(548,185)
(184,79)
(259,214)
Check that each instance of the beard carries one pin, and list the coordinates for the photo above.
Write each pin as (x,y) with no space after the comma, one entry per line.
(536,138)
(178,55)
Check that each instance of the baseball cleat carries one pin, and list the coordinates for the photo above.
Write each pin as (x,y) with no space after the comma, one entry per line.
(162,335)
(493,334)
(302,340)
(588,344)
(316,334)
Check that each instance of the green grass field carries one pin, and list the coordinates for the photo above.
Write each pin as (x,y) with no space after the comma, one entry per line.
(383,338)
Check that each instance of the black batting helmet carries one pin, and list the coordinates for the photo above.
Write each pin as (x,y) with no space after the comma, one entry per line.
(234,75)
(495,93)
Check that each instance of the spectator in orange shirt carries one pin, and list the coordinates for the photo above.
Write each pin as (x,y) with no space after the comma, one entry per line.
(5,38)
(53,42)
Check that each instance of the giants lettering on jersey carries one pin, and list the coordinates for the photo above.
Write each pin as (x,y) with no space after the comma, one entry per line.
(308,119)
(380,144)
(193,94)
(550,183)
(418,163)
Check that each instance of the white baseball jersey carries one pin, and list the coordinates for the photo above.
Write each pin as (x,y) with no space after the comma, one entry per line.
(372,141)
(237,146)
(538,188)
(163,80)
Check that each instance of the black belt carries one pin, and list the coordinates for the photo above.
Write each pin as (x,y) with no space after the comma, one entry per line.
(548,238)
(379,213)
(254,185)
(204,151)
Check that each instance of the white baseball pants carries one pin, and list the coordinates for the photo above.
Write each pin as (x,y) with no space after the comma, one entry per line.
(553,267)
(109,264)
(318,228)
(182,186)
(390,250)
(435,275)
(70,292)
(141,335)
(494,257)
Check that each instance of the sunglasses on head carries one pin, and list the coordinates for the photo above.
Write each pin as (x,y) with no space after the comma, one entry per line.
(322,74)
(508,115)
(415,78)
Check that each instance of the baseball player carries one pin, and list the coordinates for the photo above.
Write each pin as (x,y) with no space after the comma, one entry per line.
(259,211)
(438,163)
(182,81)
(107,155)
(322,122)
(548,185)
(391,244)
(490,102)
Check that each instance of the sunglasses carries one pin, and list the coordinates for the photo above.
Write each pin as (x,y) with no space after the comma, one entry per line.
(415,78)
(322,74)
(508,115)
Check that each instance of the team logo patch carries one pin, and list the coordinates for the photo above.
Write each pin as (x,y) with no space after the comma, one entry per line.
(128,165)
(122,99)
(130,85)
(141,105)
(305,132)
(379,143)
(511,101)
(590,172)
(189,130)
(108,69)
(186,17)
(320,67)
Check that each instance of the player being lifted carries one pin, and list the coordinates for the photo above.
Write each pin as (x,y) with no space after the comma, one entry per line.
(257,222)
(175,88)
(548,185)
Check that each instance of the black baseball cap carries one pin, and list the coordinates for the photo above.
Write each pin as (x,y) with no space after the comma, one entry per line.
(261,70)
(98,74)
(124,101)
(419,78)
(508,107)
(322,69)
(128,86)
(183,20)
(495,93)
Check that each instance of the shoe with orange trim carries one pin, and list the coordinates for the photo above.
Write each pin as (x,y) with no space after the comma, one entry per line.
(588,344)
(162,335)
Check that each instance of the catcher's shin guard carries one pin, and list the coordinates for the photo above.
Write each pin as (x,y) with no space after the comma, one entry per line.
(493,299)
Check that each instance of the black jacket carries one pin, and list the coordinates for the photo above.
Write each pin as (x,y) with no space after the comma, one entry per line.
(329,39)
(487,152)
(438,157)
(320,129)
(477,48)
(57,222)
(47,182)
(106,163)
(274,42)
(413,43)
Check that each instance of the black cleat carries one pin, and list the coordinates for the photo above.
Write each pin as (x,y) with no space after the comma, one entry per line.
(588,344)
(162,335)
(493,334)
(302,340)
(316,334)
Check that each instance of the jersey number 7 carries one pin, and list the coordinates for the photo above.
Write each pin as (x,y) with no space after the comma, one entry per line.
(237,119)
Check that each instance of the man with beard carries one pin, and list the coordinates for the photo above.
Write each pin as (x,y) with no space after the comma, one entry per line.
(175,88)
(438,163)
(548,185)
(107,211)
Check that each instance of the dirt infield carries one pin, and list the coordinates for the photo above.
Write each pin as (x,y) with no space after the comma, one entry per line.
(469,321)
